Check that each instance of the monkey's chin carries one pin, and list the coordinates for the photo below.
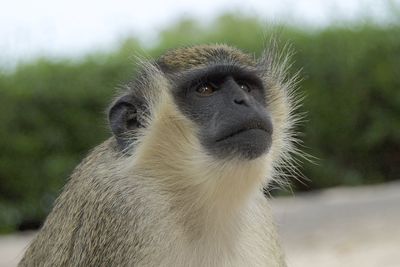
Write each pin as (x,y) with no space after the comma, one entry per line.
(249,144)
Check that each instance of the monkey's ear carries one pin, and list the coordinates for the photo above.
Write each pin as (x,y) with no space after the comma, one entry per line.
(123,117)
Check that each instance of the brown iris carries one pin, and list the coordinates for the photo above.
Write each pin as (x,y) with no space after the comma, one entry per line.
(206,89)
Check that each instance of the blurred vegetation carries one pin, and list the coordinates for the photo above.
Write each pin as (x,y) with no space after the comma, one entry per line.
(52,111)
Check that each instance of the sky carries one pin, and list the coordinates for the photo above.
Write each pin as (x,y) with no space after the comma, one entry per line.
(68,28)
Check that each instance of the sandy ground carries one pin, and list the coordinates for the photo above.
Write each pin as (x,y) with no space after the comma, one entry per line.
(341,227)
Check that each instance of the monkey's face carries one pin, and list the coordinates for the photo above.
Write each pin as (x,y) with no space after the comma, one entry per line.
(227,103)
(206,101)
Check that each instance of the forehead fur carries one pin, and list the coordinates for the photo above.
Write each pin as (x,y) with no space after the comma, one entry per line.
(201,55)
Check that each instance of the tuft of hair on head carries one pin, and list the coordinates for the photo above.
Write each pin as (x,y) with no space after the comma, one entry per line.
(203,55)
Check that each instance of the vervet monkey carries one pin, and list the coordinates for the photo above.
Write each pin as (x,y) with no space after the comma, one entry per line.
(196,137)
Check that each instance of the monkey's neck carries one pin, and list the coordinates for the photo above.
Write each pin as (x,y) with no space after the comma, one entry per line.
(208,196)
(217,205)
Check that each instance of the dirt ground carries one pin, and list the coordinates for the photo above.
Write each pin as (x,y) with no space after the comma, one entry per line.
(341,227)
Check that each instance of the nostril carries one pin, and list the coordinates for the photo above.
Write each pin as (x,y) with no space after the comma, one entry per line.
(239,101)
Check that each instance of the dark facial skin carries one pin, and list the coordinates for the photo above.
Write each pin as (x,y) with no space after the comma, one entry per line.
(228,104)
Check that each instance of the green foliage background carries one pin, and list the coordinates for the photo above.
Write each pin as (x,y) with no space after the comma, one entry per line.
(52,111)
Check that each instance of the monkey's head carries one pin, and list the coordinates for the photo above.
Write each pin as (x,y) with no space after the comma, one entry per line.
(206,104)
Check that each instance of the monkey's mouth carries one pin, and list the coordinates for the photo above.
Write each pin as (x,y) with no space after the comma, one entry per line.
(247,140)
(255,128)
(239,132)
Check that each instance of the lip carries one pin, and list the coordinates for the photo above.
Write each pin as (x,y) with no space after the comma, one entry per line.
(245,128)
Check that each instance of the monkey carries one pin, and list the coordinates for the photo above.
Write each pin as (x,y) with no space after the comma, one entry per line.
(195,138)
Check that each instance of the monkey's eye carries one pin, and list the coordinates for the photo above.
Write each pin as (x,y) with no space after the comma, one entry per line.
(244,86)
(206,89)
